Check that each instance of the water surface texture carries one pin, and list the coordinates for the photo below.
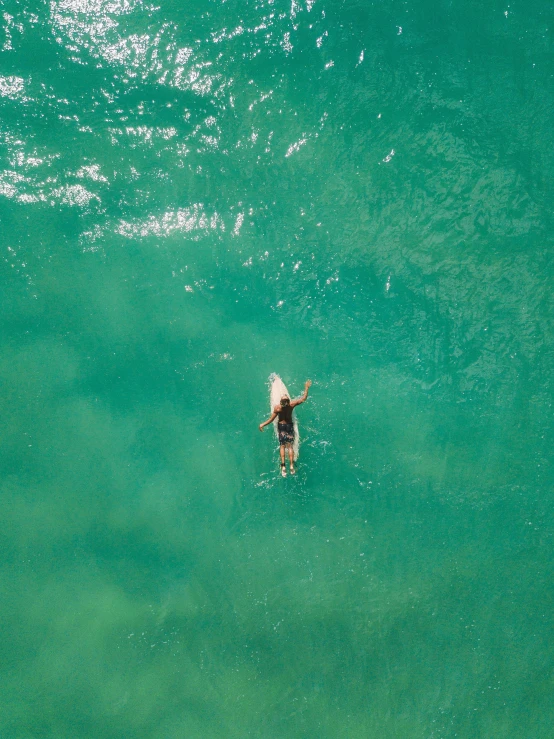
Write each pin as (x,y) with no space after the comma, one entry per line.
(192,196)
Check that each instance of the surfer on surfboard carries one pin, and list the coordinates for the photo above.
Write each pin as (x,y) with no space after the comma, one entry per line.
(285,426)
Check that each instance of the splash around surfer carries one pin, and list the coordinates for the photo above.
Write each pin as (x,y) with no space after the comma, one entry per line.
(285,426)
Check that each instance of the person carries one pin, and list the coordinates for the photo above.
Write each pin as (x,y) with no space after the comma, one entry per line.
(285,426)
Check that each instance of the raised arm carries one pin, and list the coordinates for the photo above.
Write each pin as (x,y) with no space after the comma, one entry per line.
(271,418)
(304,395)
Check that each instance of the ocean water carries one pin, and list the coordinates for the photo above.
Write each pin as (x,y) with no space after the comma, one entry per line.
(193,196)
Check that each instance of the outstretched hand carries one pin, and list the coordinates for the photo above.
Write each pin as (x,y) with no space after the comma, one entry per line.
(261,427)
(308,383)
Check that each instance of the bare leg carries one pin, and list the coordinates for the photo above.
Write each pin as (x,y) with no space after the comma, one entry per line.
(291,459)
(282,453)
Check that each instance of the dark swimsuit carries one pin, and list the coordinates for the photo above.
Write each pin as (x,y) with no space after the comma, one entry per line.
(285,427)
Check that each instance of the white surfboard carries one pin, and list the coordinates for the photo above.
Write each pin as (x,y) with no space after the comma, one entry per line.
(277,391)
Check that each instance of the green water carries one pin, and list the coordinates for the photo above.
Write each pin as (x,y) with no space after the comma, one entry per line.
(193,196)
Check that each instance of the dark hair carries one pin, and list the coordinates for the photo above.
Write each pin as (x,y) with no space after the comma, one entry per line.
(285,401)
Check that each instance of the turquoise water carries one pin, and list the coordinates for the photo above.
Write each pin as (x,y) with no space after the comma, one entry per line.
(193,196)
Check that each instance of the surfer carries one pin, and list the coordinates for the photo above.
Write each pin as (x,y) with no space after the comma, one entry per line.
(285,426)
